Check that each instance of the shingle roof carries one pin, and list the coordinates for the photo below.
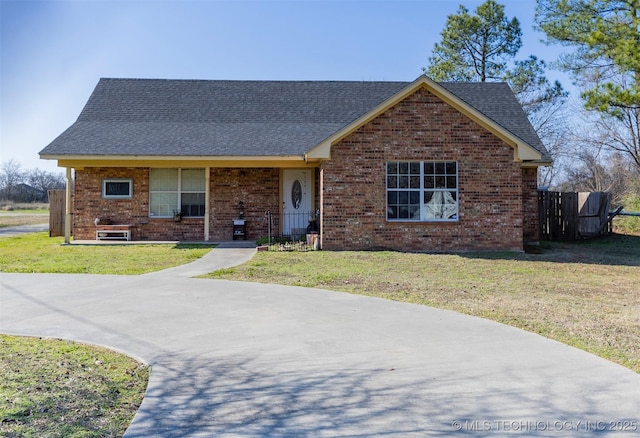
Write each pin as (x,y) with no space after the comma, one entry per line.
(157,117)
(497,102)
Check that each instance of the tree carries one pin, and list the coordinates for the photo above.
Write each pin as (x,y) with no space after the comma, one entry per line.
(11,175)
(618,134)
(19,185)
(592,172)
(475,46)
(483,47)
(42,181)
(544,104)
(605,36)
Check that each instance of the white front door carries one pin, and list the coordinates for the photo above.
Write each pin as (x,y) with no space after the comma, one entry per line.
(297,187)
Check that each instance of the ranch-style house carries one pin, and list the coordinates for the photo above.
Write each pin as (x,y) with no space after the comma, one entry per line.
(415,166)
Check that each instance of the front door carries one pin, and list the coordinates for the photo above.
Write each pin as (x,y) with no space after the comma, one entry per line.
(297,187)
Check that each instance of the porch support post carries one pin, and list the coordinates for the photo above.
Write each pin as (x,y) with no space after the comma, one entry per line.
(67,208)
(207,201)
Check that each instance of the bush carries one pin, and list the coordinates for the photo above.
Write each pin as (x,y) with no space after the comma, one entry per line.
(629,224)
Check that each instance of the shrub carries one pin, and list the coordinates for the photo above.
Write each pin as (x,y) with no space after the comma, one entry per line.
(629,224)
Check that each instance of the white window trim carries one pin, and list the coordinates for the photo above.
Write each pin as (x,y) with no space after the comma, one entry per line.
(422,190)
(179,192)
(117,180)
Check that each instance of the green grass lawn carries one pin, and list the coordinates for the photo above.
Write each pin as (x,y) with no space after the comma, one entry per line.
(36,252)
(585,294)
(55,388)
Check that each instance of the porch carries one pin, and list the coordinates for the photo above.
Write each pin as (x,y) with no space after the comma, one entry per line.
(280,227)
(226,204)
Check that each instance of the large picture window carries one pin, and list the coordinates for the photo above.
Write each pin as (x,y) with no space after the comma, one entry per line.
(176,190)
(422,191)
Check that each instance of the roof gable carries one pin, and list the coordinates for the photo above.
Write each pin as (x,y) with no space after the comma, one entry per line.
(492,105)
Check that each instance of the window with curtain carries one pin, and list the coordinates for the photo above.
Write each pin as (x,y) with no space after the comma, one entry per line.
(176,190)
(422,191)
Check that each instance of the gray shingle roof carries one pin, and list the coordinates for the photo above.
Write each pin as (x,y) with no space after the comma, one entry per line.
(496,101)
(156,117)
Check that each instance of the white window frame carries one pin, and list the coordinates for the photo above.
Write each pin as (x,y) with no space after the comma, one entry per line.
(413,186)
(117,180)
(179,192)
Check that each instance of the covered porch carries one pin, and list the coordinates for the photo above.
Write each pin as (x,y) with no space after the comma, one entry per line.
(231,203)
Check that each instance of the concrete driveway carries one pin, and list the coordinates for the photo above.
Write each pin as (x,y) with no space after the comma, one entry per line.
(243,359)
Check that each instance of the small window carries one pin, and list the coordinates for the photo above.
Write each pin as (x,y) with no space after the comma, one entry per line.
(117,188)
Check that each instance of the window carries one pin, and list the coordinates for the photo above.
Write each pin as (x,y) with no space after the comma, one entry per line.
(117,188)
(422,191)
(192,192)
(176,190)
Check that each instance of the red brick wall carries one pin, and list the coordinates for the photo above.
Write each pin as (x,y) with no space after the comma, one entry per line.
(530,205)
(88,203)
(257,188)
(422,127)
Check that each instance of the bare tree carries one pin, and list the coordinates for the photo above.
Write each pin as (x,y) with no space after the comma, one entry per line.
(19,185)
(595,171)
(42,181)
(551,125)
(11,175)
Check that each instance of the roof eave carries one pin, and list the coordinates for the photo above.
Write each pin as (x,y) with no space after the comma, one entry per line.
(82,161)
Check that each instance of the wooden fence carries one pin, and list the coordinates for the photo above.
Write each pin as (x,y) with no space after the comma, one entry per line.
(573,216)
(57,210)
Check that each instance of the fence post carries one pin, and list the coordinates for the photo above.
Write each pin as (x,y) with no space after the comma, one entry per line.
(570,215)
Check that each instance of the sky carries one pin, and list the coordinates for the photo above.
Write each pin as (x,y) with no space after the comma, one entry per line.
(53,52)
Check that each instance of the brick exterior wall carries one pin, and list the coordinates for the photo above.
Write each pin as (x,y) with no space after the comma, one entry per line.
(422,127)
(531,232)
(257,188)
(88,203)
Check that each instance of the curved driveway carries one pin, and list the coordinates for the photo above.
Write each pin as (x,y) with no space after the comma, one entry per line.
(243,359)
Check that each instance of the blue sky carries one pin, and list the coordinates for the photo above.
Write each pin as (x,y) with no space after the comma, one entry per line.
(53,52)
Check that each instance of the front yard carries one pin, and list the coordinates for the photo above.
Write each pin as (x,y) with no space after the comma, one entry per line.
(585,294)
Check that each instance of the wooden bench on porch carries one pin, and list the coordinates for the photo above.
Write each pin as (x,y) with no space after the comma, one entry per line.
(113,232)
